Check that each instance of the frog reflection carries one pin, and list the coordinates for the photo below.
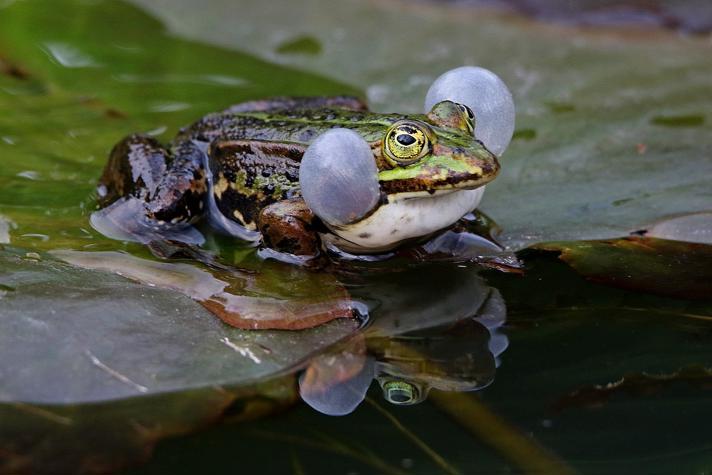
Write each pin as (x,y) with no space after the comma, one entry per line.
(433,327)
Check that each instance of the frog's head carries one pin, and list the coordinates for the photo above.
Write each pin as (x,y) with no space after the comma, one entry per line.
(434,154)
(421,174)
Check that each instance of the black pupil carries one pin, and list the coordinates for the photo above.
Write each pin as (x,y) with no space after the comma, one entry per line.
(405,140)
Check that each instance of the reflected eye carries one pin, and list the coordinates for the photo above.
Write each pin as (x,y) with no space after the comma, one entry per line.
(406,142)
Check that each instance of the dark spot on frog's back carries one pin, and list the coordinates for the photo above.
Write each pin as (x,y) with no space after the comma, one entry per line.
(364,235)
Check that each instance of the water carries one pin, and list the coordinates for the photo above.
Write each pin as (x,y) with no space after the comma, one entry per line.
(543,371)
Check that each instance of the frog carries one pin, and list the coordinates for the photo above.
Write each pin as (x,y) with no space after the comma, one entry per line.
(240,168)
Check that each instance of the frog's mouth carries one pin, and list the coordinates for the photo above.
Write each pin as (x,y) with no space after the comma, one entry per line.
(432,194)
(406,216)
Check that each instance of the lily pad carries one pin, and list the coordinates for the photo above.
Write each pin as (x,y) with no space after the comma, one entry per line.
(673,268)
(592,161)
(97,368)
(93,337)
(74,88)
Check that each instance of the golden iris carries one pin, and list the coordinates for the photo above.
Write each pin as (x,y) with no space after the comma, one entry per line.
(406,142)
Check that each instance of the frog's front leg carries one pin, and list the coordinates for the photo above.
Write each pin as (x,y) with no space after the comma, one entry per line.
(289,226)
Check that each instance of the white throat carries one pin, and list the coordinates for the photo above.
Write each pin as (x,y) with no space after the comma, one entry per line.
(406,217)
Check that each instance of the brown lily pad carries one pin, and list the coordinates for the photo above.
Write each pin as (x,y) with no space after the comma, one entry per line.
(659,266)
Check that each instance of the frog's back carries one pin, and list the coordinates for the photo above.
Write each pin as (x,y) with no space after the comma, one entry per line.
(254,155)
(300,126)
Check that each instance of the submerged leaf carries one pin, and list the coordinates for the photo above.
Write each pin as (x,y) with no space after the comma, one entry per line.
(640,384)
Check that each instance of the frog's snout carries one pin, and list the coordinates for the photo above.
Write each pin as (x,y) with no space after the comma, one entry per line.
(474,167)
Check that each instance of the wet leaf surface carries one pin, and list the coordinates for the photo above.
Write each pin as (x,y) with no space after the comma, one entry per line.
(694,227)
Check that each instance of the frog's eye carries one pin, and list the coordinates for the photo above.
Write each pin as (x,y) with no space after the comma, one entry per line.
(469,117)
(405,143)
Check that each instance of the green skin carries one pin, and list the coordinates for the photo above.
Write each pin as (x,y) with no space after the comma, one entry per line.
(254,150)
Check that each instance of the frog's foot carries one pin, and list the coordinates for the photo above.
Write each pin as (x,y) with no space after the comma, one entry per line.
(283,103)
(147,191)
(172,184)
(136,165)
(288,226)
(127,219)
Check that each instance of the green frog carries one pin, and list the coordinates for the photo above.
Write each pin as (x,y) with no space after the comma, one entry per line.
(240,168)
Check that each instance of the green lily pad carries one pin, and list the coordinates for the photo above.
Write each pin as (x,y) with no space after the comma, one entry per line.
(595,155)
(76,87)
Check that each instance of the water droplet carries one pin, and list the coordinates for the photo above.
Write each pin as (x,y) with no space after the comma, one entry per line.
(69,56)
(169,107)
(29,174)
